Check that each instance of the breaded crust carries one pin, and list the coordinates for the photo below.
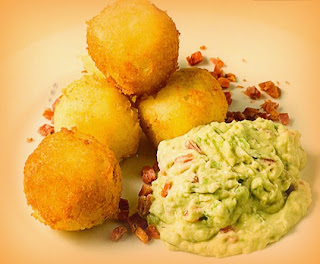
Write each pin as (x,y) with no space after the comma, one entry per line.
(136,44)
(192,97)
(97,108)
(72,181)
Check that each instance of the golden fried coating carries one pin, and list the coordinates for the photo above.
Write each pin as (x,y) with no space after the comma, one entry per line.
(191,98)
(136,44)
(72,181)
(97,108)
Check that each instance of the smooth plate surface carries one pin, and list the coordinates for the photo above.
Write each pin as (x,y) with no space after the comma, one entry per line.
(276,41)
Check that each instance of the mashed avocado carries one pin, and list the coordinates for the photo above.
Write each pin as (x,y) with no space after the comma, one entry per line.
(225,189)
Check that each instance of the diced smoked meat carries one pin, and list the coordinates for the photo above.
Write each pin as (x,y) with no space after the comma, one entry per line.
(184,158)
(252,92)
(224,82)
(142,235)
(118,232)
(284,118)
(148,174)
(48,114)
(166,189)
(271,89)
(228,97)
(135,221)
(195,58)
(153,232)
(145,190)
(46,130)
(192,145)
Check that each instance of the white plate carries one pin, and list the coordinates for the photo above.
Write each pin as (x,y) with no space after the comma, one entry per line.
(275,48)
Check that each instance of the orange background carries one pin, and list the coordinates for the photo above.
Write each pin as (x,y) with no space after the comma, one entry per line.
(23,23)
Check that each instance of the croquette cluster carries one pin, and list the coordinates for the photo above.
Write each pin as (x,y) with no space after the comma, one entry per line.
(73,179)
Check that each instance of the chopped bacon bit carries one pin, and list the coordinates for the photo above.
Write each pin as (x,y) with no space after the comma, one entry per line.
(263,115)
(239,86)
(54,105)
(166,189)
(144,204)
(123,204)
(29,140)
(185,213)
(123,215)
(135,221)
(251,113)
(270,89)
(244,60)
(84,71)
(192,145)
(117,233)
(48,114)
(269,106)
(155,166)
(231,77)
(235,116)
(284,118)
(217,72)
(228,97)
(46,130)
(148,174)
(244,80)
(216,61)
(153,232)
(195,179)
(184,158)
(224,82)
(142,235)
(252,92)
(195,58)
(145,190)
(278,83)
(268,160)
(203,47)
(227,229)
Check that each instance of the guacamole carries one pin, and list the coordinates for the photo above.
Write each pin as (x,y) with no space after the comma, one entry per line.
(226,189)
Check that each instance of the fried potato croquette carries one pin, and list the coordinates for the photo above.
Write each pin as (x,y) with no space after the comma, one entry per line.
(136,44)
(97,108)
(72,181)
(191,98)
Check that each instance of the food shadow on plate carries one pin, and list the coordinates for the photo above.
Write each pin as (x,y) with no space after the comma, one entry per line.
(131,175)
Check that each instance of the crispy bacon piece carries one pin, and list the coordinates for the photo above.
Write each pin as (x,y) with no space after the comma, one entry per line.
(46,130)
(144,204)
(48,114)
(203,47)
(148,174)
(142,235)
(216,61)
(29,140)
(284,118)
(155,166)
(117,233)
(227,229)
(195,58)
(271,89)
(251,113)
(135,221)
(153,232)
(145,190)
(124,210)
(166,189)
(269,106)
(224,82)
(184,158)
(54,105)
(231,77)
(239,86)
(123,216)
(237,116)
(195,179)
(252,92)
(123,204)
(192,145)
(227,94)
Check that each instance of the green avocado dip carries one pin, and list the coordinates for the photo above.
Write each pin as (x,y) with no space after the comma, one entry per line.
(226,189)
